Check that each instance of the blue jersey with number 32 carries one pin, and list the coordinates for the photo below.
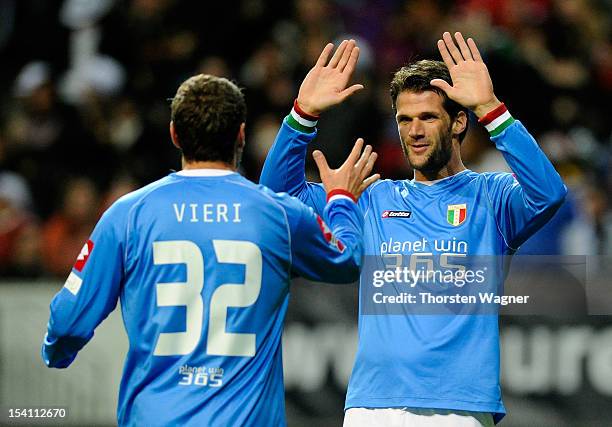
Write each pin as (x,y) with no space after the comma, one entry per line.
(201,262)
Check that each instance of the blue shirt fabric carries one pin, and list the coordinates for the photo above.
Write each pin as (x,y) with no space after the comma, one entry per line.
(202,266)
(549,239)
(434,361)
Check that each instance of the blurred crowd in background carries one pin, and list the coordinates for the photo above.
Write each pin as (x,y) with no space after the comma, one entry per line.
(85,88)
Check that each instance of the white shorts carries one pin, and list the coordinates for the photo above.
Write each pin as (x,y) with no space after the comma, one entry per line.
(415,417)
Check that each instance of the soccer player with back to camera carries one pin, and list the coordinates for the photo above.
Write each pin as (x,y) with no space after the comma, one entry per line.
(201,261)
(442,369)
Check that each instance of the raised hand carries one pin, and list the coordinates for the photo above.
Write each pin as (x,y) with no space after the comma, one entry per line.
(472,86)
(325,85)
(352,176)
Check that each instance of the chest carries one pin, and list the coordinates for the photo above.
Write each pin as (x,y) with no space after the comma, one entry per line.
(404,221)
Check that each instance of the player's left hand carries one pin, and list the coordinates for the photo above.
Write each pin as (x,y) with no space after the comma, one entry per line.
(472,86)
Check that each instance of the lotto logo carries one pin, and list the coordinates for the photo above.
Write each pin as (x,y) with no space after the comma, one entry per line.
(83,256)
(397,214)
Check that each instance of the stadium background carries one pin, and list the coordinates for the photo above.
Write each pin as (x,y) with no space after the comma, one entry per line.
(84,88)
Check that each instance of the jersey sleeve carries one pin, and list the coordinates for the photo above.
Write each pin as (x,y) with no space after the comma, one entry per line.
(285,167)
(524,201)
(328,248)
(89,294)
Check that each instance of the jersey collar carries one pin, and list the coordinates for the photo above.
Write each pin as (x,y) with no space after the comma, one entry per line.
(441,180)
(205,172)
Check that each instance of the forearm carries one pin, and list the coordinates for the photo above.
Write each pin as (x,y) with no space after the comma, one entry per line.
(284,168)
(542,186)
(346,223)
(64,338)
(326,248)
(525,201)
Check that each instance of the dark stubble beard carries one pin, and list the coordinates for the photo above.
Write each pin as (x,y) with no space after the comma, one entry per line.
(438,158)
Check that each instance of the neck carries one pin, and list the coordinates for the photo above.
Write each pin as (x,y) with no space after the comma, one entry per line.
(207,165)
(454,166)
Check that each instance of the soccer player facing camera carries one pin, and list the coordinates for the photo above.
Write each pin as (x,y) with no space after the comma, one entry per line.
(201,261)
(442,369)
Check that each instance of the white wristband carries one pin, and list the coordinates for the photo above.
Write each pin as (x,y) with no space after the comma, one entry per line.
(301,120)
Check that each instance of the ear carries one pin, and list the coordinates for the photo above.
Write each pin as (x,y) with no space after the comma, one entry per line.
(460,123)
(174,136)
(241,136)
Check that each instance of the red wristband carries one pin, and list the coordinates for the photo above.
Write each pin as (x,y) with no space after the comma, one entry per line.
(341,192)
(492,115)
(303,113)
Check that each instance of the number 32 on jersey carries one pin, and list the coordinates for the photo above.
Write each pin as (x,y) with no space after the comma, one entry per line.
(189,295)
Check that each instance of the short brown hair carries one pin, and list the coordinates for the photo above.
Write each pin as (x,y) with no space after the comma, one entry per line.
(207,112)
(416,77)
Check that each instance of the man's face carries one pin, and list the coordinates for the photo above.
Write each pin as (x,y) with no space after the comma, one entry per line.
(425,130)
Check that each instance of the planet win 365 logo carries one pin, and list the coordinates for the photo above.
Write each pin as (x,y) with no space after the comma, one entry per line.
(396,214)
(201,376)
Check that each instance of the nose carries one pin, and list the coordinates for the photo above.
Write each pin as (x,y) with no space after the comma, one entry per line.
(416,129)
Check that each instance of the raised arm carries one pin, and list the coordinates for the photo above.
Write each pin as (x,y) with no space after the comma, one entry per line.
(325,85)
(524,202)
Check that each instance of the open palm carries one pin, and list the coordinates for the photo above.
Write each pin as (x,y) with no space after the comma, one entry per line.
(325,85)
(472,86)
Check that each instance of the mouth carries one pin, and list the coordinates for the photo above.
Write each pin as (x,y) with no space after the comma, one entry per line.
(419,148)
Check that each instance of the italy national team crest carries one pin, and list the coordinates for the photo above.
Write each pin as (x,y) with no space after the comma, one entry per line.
(456,214)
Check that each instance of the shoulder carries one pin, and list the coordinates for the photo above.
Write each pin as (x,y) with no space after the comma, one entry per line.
(289,204)
(385,185)
(496,178)
(385,188)
(120,209)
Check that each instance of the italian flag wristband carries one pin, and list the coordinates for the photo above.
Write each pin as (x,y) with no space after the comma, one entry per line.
(338,193)
(497,121)
(301,120)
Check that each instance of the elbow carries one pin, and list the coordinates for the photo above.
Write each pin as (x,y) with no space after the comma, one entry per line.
(557,196)
(550,198)
(549,205)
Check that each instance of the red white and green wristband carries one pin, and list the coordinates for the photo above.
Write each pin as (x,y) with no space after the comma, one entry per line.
(339,193)
(497,120)
(300,120)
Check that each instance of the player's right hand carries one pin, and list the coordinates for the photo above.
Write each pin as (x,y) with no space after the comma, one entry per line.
(352,176)
(325,85)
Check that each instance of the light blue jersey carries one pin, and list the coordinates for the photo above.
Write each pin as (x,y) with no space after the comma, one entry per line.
(201,261)
(437,360)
